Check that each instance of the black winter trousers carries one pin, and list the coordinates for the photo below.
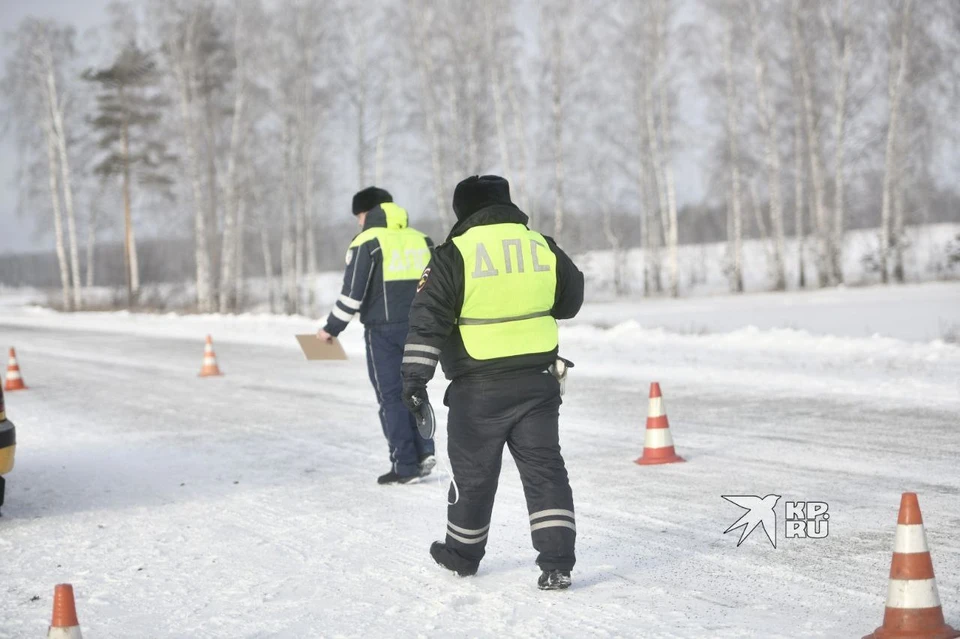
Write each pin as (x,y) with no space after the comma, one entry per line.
(384,357)
(521,412)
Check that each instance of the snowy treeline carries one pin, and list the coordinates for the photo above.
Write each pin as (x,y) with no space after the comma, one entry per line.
(243,127)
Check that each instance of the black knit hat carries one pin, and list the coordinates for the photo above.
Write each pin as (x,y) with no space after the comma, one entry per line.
(476,193)
(368,198)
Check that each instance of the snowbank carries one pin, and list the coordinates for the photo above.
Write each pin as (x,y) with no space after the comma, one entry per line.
(822,335)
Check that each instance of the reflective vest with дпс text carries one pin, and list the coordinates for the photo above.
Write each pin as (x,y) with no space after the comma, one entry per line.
(405,250)
(510,283)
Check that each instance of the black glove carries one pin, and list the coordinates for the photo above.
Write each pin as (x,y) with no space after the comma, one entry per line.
(414,395)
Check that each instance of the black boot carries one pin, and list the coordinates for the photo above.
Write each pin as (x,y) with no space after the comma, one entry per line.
(554,580)
(427,462)
(393,478)
(452,560)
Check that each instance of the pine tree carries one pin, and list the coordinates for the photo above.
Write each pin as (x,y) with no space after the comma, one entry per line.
(129,109)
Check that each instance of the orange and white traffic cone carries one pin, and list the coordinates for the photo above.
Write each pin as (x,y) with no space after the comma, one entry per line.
(913,603)
(14,382)
(210,368)
(657,443)
(64,624)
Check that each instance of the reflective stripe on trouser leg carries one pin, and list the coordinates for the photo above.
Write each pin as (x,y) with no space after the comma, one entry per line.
(535,445)
(553,518)
(384,353)
(469,536)
(374,380)
(475,449)
(553,532)
(468,517)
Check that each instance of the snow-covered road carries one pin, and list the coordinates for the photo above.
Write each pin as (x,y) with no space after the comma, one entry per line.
(246,506)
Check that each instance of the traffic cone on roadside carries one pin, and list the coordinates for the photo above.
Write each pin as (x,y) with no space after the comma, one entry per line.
(210,368)
(64,624)
(14,382)
(913,603)
(657,442)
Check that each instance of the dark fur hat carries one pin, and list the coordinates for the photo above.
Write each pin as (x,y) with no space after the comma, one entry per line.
(368,198)
(478,192)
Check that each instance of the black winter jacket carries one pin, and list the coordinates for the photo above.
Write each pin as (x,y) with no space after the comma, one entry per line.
(364,290)
(434,335)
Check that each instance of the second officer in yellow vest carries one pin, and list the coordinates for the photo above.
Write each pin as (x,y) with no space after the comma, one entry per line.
(384,263)
(486,309)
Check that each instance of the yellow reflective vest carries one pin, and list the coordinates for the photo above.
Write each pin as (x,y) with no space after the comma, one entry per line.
(405,250)
(510,283)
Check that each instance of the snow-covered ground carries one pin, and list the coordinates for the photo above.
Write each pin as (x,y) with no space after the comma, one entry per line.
(245,506)
(923,312)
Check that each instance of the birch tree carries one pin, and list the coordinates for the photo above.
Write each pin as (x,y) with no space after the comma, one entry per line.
(364,70)
(636,43)
(735,212)
(471,99)
(35,77)
(838,32)
(656,31)
(769,122)
(199,66)
(799,183)
(495,25)
(811,119)
(421,18)
(897,72)
(923,41)
(518,116)
(48,40)
(299,102)
(662,19)
(233,199)
(555,42)
(181,34)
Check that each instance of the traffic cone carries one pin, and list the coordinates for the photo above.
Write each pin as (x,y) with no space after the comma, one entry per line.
(64,624)
(913,603)
(14,381)
(210,368)
(657,443)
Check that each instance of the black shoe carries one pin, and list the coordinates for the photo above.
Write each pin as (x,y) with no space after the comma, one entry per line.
(393,478)
(554,580)
(427,462)
(452,560)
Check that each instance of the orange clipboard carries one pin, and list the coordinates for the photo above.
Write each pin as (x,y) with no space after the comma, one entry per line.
(315,348)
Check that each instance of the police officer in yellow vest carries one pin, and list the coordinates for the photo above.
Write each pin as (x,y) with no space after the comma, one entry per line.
(486,309)
(384,263)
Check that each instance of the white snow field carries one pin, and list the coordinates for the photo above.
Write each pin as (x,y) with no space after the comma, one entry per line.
(246,505)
